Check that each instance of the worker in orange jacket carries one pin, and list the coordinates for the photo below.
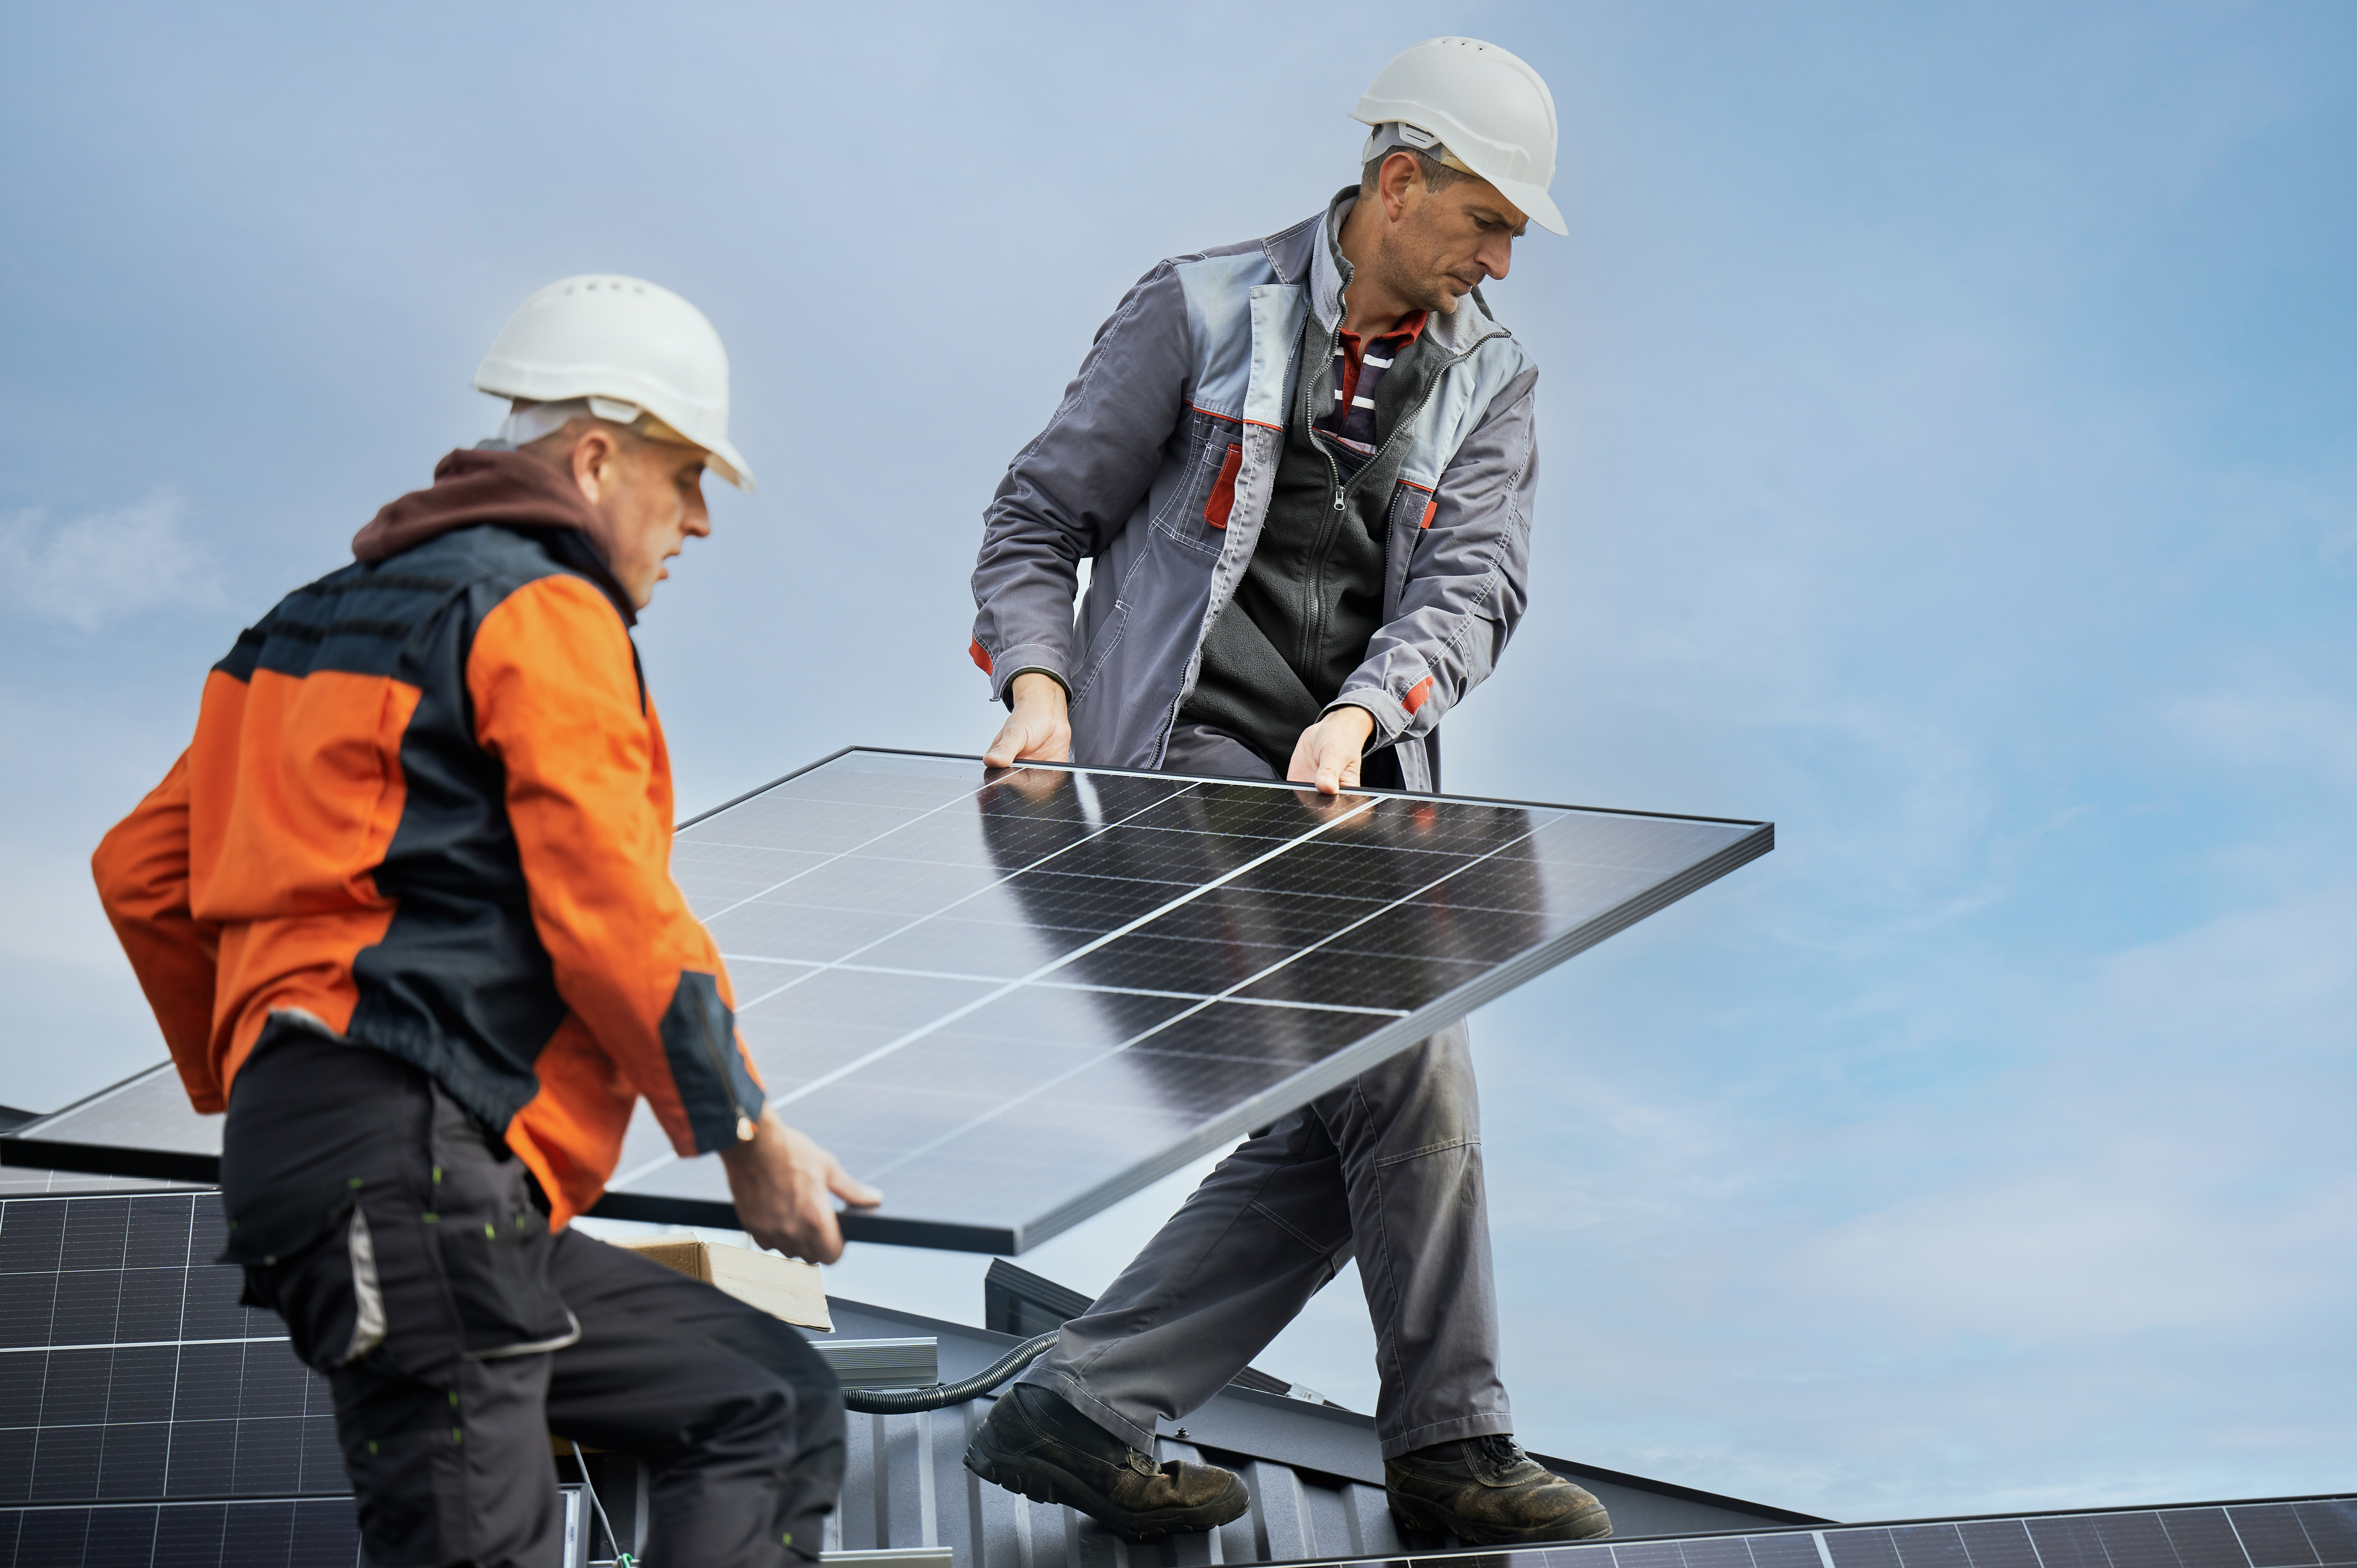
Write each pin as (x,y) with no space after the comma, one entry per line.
(404,911)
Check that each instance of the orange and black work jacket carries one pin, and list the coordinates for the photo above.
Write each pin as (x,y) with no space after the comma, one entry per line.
(428,806)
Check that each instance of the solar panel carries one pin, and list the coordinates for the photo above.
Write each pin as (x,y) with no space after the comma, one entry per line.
(2306,1532)
(147,1419)
(144,1416)
(1012,998)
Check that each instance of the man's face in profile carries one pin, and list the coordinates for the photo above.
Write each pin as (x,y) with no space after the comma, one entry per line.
(1446,243)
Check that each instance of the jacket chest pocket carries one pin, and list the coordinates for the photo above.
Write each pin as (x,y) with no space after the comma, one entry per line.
(1193,510)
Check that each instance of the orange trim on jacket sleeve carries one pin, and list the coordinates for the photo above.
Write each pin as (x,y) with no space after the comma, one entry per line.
(980,655)
(142,870)
(1417,694)
(589,795)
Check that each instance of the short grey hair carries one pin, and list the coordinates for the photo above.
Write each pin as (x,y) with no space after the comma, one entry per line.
(1437,176)
(1432,160)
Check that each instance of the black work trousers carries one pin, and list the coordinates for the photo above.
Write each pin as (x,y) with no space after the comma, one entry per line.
(395,1235)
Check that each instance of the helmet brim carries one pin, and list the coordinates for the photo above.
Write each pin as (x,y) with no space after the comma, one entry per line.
(1536,203)
(502,378)
(723,460)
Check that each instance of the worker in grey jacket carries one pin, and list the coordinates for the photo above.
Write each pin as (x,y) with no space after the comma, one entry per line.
(1301,469)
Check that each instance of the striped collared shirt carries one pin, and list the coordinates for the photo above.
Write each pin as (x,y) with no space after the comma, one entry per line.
(1359,367)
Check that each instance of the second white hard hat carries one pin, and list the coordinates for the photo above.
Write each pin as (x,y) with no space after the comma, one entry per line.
(1488,107)
(632,346)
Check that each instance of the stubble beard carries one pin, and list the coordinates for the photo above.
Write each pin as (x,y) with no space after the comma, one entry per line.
(1426,291)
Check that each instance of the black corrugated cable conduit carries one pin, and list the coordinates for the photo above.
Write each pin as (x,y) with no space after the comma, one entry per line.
(940,1396)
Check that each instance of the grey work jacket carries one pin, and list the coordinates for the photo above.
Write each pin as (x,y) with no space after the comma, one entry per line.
(1158,467)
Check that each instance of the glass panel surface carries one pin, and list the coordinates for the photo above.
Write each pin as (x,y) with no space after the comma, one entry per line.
(1012,998)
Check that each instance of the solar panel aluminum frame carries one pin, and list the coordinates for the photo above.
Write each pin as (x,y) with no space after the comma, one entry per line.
(98,1159)
(1259,1109)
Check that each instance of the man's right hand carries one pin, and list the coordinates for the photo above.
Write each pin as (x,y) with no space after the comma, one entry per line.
(1039,729)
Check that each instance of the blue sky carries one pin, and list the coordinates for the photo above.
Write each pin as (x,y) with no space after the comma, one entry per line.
(1948,452)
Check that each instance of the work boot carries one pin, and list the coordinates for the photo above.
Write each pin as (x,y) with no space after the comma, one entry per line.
(1486,1491)
(1035,1444)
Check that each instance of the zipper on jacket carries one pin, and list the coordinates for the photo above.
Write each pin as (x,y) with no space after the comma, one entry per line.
(1405,421)
(1333,470)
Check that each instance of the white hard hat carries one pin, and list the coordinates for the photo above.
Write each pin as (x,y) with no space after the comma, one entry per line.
(625,342)
(1487,106)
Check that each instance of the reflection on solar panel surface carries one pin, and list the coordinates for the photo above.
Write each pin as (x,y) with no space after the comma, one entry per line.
(2307,1533)
(1012,999)
(144,1416)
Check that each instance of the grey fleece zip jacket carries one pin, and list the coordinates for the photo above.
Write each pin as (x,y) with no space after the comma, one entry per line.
(1158,467)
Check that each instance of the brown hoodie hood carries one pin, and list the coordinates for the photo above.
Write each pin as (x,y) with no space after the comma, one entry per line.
(481,485)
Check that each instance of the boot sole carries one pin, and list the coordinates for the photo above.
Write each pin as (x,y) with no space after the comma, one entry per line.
(1418,1516)
(1059,1488)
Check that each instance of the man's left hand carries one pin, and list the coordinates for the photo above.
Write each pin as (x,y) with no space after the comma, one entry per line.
(780,1182)
(1330,751)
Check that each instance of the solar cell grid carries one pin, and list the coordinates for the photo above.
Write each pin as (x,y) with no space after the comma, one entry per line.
(2273,1536)
(2331,1527)
(2135,1536)
(1998,1544)
(1795,1551)
(1930,1546)
(130,1373)
(1649,1554)
(2069,1543)
(1715,1553)
(243,1534)
(1862,1549)
(2193,1536)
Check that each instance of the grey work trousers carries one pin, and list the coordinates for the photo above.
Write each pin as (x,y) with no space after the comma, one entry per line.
(1387,1169)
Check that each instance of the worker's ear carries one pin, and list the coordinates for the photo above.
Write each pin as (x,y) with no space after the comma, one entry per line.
(1398,183)
(596,456)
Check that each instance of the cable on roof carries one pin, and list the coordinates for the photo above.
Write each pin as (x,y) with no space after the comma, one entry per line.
(940,1396)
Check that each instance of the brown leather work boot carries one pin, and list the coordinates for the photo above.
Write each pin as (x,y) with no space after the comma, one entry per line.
(1486,1491)
(1035,1444)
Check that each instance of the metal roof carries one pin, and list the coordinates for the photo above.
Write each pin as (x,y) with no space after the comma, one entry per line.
(1315,1472)
(1316,1480)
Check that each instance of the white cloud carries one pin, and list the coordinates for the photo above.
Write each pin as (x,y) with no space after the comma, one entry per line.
(106,566)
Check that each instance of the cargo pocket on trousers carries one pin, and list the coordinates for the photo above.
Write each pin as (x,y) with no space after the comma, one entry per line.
(498,1277)
(309,1258)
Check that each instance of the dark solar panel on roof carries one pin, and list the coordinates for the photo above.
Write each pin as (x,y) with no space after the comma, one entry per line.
(2321,1532)
(1011,999)
(144,1415)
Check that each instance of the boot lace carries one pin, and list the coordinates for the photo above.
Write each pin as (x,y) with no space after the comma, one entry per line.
(1500,1448)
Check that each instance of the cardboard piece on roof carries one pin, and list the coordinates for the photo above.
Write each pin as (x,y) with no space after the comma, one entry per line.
(782,1287)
